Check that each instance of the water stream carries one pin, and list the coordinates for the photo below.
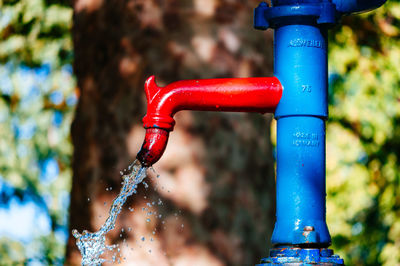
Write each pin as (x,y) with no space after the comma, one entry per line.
(93,245)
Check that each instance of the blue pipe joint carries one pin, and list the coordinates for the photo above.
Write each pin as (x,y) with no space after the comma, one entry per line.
(290,12)
(356,6)
(260,20)
(297,256)
(300,183)
(326,12)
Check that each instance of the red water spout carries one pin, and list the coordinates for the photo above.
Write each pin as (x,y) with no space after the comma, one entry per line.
(259,95)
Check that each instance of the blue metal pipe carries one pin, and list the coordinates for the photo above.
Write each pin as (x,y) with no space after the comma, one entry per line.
(355,6)
(300,58)
(300,183)
(301,235)
(342,6)
(301,66)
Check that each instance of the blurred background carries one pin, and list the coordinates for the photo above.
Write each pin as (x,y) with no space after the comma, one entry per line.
(71,85)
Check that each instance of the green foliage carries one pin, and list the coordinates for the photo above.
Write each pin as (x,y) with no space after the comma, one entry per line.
(35,31)
(34,135)
(363,139)
(36,108)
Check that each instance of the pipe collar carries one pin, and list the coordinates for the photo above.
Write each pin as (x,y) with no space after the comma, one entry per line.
(318,12)
(326,12)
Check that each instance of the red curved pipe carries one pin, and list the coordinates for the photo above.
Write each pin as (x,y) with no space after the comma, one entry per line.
(259,95)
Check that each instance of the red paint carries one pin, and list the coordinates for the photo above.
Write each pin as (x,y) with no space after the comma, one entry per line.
(153,146)
(259,95)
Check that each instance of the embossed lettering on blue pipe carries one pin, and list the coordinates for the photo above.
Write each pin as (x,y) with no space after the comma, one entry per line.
(301,235)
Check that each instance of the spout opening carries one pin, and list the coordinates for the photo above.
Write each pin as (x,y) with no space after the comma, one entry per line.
(153,146)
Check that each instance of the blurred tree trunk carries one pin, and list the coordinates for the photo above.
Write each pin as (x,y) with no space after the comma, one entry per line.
(217,174)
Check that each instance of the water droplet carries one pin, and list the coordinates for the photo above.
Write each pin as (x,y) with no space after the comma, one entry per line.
(75,233)
(122,230)
(88,199)
(143,239)
(148,220)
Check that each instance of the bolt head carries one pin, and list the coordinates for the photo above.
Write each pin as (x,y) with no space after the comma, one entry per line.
(308,228)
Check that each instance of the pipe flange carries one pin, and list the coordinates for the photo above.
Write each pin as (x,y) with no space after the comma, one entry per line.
(302,256)
(271,17)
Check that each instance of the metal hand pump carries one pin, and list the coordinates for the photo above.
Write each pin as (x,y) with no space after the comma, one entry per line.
(298,95)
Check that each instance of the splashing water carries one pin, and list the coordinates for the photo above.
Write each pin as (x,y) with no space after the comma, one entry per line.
(92,245)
